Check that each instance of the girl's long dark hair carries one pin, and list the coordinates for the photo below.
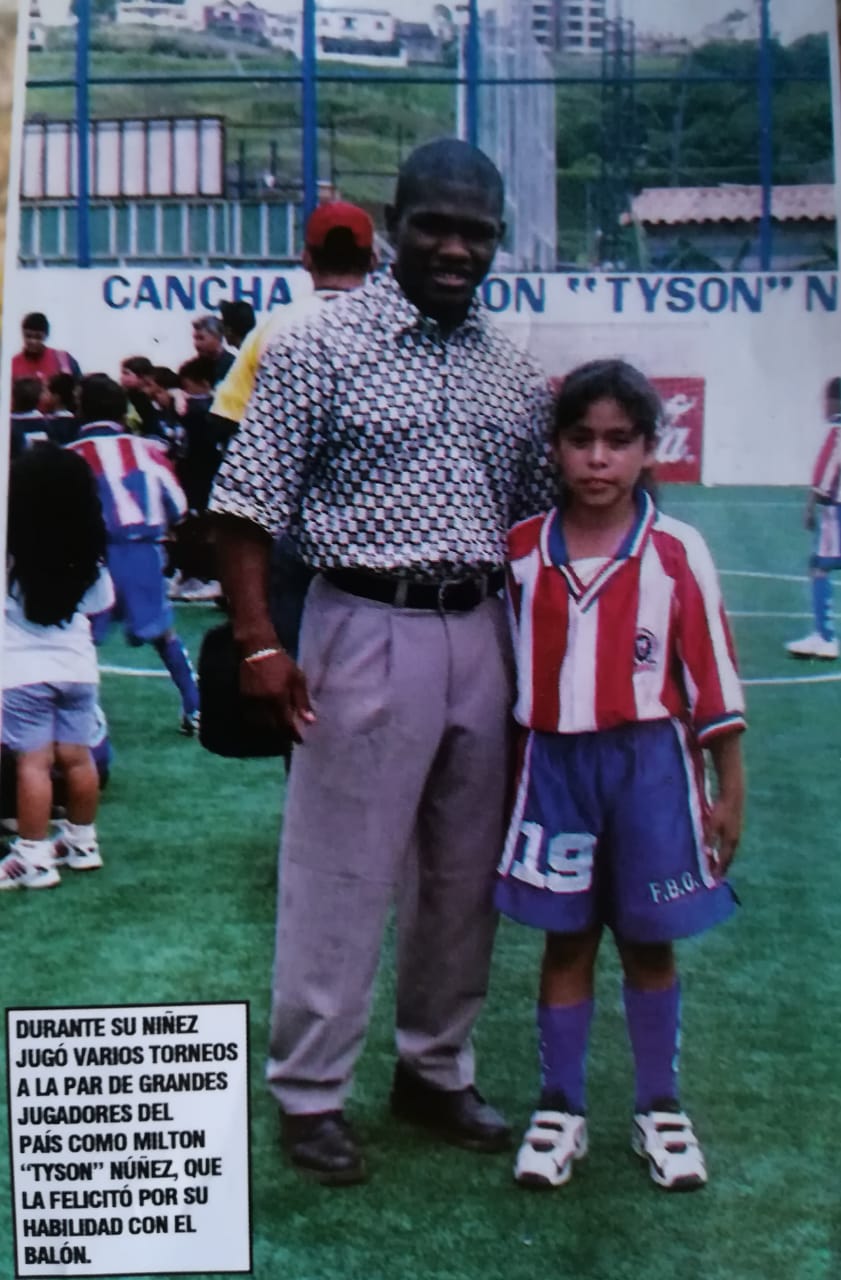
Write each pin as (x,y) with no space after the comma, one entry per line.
(55,532)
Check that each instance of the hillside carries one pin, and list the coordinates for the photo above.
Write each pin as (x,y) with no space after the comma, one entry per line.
(698,126)
(366,128)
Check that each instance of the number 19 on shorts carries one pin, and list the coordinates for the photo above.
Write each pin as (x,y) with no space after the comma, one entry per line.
(562,863)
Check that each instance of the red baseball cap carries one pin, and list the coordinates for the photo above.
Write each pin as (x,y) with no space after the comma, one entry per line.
(339,213)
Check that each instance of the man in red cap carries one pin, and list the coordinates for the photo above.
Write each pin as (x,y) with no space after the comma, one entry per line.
(338,254)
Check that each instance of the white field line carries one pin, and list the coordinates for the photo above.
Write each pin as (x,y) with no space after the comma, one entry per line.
(768,577)
(686,503)
(833,678)
(140,672)
(133,671)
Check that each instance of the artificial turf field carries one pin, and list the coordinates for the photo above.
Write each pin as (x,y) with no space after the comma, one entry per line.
(184,911)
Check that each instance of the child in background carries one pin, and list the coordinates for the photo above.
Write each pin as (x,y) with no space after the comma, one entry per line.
(58,404)
(162,385)
(823,518)
(28,424)
(202,448)
(201,444)
(141,501)
(141,418)
(625,672)
(56,543)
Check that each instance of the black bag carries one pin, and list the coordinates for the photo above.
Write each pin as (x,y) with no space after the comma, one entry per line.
(230,724)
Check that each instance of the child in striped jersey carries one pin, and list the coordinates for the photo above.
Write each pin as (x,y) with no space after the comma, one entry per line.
(141,502)
(625,672)
(823,519)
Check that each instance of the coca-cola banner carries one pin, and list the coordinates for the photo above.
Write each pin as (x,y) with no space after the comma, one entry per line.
(680,440)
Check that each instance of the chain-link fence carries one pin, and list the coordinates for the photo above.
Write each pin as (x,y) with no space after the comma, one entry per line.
(550,121)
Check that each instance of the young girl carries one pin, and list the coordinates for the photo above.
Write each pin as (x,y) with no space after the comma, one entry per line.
(56,543)
(625,671)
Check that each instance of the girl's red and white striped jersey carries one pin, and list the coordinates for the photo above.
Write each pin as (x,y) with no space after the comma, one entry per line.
(645,639)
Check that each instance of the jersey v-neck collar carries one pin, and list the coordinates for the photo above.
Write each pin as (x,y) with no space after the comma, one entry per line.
(553,550)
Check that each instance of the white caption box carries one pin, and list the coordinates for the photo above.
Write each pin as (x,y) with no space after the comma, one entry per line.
(129,1139)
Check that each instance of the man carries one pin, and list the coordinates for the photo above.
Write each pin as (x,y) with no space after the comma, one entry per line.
(36,359)
(238,319)
(209,343)
(396,436)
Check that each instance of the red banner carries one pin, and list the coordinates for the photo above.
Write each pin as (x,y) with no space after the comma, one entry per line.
(681,436)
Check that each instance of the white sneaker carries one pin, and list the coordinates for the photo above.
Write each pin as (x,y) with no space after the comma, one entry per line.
(189,724)
(194,589)
(77,855)
(175,585)
(813,646)
(553,1140)
(25,869)
(667,1141)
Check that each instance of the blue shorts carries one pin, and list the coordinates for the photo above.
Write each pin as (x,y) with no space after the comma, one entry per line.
(140,599)
(607,829)
(37,715)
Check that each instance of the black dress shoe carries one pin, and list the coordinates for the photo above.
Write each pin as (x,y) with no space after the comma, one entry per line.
(323,1146)
(461,1117)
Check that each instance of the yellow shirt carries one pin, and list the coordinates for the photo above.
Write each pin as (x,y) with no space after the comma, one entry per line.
(234,391)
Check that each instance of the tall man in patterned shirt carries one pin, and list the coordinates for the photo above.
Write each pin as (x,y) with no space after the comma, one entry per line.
(397,436)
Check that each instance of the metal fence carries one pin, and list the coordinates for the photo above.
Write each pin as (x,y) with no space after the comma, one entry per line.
(517,129)
(152,231)
(292,128)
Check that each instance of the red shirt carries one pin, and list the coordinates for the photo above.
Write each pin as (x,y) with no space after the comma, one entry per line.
(42,367)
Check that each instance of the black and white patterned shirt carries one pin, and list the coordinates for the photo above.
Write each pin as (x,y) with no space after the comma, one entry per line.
(380,443)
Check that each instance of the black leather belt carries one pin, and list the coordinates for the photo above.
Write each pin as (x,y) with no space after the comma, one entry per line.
(450,595)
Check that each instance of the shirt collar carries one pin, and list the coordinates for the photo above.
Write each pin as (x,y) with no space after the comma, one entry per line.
(102,429)
(554,552)
(402,316)
(553,545)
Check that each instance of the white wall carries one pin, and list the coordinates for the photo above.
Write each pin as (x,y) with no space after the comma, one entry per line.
(765,344)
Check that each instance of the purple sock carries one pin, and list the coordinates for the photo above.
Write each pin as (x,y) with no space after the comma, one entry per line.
(654,1028)
(564,1032)
(175,659)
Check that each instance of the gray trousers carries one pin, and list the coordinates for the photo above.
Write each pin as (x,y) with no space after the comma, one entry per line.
(396,796)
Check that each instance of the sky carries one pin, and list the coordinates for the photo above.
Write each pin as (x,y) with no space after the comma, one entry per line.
(790,18)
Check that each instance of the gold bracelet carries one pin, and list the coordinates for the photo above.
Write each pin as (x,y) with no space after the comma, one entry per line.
(262,653)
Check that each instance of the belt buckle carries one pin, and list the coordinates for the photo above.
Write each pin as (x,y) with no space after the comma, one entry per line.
(443,587)
(447,583)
